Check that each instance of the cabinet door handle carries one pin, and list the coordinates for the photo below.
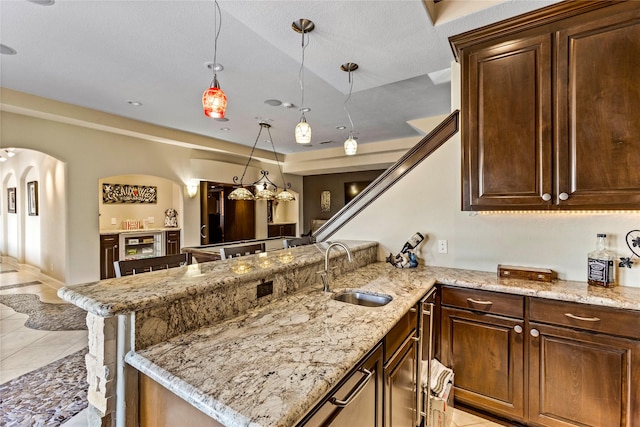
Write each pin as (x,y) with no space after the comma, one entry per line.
(475,301)
(563,196)
(586,319)
(546,197)
(518,329)
(201,232)
(534,333)
(356,391)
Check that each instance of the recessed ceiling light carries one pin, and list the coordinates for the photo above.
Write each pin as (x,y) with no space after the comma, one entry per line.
(273,102)
(214,67)
(341,127)
(43,2)
(6,50)
(225,129)
(305,109)
(221,119)
(134,103)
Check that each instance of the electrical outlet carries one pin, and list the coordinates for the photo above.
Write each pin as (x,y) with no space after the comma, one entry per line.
(113,221)
(151,220)
(443,247)
(265,288)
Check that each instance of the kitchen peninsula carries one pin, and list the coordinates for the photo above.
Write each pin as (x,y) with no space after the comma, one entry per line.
(202,332)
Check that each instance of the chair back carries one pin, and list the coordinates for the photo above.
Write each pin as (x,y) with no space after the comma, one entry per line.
(143,265)
(231,251)
(298,241)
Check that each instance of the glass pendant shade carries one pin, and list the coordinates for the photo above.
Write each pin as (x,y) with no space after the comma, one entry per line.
(350,146)
(303,132)
(241,193)
(285,196)
(214,101)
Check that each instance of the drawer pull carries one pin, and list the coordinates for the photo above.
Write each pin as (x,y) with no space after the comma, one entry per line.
(475,301)
(356,391)
(586,319)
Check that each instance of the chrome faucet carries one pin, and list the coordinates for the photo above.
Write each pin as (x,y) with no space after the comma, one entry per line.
(324,274)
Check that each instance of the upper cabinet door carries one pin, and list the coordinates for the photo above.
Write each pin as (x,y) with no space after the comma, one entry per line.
(507,139)
(598,110)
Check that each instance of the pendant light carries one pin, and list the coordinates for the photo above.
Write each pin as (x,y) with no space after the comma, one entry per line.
(214,100)
(350,145)
(303,129)
(265,188)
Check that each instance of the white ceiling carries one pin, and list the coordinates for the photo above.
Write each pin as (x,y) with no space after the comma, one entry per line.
(100,54)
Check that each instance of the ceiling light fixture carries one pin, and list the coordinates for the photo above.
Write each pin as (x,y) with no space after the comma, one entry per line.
(265,188)
(350,145)
(214,100)
(303,129)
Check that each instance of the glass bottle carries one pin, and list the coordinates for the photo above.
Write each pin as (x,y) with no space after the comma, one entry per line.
(600,264)
(412,242)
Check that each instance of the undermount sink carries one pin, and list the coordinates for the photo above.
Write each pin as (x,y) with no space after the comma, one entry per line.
(367,299)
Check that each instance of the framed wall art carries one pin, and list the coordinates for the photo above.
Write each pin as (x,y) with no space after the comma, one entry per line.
(11,200)
(32,198)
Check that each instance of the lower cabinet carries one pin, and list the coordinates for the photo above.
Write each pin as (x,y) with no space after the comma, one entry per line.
(401,372)
(172,242)
(109,252)
(486,352)
(356,401)
(581,362)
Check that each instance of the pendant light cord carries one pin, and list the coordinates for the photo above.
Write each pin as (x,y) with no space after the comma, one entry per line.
(251,155)
(347,100)
(217,16)
(301,72)
(284,184)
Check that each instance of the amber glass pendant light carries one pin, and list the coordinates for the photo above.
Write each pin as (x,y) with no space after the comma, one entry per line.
(214,100)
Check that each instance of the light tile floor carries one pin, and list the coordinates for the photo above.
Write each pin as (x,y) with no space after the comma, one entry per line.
(23,350)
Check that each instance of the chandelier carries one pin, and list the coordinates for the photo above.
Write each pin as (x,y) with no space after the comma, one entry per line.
(265,188)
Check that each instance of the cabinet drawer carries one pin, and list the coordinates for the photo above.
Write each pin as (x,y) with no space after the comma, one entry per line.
(109,239)
(589,317)
(484,301)
(399,333)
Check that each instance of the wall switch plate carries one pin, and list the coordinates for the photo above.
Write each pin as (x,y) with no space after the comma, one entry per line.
(443,247)
(151,220)
(113,221)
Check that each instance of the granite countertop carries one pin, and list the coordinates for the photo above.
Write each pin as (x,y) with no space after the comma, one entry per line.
(127,294)
(270,366)
(141,230)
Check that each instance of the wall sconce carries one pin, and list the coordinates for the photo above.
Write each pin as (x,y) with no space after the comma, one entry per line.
(192,189)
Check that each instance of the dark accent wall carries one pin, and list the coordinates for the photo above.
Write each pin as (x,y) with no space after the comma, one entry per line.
(314,185)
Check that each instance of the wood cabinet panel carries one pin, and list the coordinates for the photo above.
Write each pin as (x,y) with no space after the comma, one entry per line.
(487,355)
(172,242)
(599,102)
(484,301)
(507,150)
(582,379)
(584,316)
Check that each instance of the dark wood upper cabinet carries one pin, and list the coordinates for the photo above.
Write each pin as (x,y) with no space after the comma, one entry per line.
(550,102)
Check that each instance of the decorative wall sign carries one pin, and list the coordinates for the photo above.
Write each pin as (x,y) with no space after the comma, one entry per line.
(124,193)
(32,198)
(11,200)
(325,201)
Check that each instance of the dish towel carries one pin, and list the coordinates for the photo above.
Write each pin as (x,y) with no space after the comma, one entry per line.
(440,377)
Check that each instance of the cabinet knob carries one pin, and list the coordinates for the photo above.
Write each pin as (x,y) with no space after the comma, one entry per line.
(535,333)
(563,196)
(518,329)
(546,197)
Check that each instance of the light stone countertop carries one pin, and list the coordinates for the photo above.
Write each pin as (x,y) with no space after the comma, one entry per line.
(140,230)
(270,366)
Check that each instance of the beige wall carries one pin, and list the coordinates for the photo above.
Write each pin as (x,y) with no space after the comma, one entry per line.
(428,200)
